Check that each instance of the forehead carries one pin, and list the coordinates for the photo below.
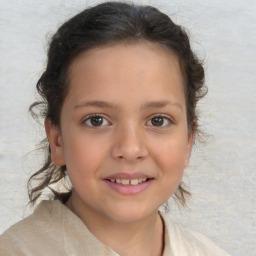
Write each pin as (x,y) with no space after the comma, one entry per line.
(123,52)
(125,68)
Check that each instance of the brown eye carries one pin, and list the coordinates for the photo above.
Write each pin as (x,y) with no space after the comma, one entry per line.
(96,121)
(159,121)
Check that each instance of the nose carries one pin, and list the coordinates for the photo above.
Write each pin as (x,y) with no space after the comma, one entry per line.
(129,144)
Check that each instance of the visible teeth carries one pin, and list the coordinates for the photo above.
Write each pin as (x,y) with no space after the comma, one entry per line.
(142,180)
(125,182)
(118,181)
(133,182)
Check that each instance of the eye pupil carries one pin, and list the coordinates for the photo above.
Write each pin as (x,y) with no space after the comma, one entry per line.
(157,121)
(96,121)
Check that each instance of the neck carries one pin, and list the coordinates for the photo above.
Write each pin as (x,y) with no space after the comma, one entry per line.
(142,237)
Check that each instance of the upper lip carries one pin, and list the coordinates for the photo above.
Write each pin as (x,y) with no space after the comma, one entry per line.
(128,176)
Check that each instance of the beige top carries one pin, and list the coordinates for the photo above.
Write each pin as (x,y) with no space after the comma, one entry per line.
(54,230)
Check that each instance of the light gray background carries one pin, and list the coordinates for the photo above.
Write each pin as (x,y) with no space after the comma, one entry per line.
(222,172)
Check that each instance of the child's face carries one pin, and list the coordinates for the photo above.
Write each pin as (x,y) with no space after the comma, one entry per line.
(124,120)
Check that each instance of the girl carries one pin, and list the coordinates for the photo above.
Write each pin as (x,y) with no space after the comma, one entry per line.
(119,98)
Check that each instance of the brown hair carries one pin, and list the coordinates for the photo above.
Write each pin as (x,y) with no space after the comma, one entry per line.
(106,23)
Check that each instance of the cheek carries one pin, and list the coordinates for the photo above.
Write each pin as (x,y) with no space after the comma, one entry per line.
(171,155)
(171,161)
(84,155)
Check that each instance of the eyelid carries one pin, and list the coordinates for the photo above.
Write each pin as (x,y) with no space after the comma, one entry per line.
(86,118)
(169,118)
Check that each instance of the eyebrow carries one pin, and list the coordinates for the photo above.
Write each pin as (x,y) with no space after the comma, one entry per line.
(104,104)
(161,104)
(95,103)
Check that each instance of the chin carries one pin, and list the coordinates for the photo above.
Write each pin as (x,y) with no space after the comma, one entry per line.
(130,214)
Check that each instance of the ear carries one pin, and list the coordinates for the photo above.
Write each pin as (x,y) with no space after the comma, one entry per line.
(190,143)
(56,143)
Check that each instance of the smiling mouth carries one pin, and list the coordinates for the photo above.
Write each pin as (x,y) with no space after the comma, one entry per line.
(127,182)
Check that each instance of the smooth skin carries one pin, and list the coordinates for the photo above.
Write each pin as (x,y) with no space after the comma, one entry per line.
(125,112)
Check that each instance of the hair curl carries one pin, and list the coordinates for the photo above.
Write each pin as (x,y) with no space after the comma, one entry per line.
(107,23)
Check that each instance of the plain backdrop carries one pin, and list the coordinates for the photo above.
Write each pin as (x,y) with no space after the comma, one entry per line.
(221,176)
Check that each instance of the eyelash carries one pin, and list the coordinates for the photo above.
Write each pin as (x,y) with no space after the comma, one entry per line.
(169,120)
(89,118)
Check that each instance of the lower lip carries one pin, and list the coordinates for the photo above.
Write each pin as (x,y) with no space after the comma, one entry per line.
(129,189)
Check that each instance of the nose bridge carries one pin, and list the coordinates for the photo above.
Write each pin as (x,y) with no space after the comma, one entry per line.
(129,142)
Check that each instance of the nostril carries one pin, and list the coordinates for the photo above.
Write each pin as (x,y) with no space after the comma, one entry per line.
(128,152)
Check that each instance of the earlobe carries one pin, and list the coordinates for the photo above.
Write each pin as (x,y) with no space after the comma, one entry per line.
(55,141)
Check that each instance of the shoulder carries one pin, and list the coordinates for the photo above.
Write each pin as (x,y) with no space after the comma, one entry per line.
(51,230)
(26,235)
(182,241)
